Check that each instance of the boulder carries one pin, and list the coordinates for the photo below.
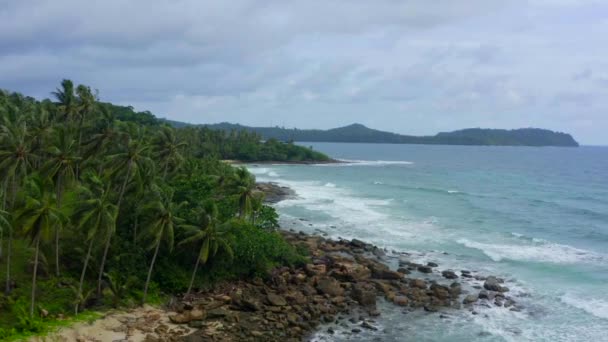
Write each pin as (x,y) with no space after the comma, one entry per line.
(418,283)
(351,271)
(401,300)
(330,287)
(364,295)
(181,318)
(425,269)
(449,274)
(275,300)
(315,269)
(431,264)
(197,315)
(493,284)
(470,299)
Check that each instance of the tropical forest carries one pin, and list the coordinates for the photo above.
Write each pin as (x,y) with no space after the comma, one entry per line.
(104,207)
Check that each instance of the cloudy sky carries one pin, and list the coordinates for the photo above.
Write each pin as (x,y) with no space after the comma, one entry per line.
(409,66)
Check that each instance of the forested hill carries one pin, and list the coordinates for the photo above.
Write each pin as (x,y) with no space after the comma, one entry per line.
(359,133)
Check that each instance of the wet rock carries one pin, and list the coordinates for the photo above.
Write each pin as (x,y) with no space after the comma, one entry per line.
(403,270)
(357,243)
(364,295)
(368,326)
(351,271)
(431,264)
(470,299)
(449,274)
(401,300)
(431,308)
(425,269)
(493,284)
(418,283)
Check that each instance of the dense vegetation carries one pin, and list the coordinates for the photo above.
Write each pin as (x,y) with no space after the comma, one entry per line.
(358,133)
(101,206)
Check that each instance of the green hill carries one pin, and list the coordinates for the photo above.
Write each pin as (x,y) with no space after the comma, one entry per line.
(357,133)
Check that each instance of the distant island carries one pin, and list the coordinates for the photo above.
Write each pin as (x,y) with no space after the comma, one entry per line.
(358,133)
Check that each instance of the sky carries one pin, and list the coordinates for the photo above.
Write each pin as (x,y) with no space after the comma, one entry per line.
(410,66)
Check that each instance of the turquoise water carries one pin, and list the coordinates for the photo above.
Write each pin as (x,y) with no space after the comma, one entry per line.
(536,216)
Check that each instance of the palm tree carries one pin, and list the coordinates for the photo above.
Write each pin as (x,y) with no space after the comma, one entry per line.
(86,104)
(61,167)
(167,149)
(132,159)
(245,183)
(4,223)
(161,221)
(106,133)
(210,235)
(15,159)
(96,214)
(39,214)
(67,100)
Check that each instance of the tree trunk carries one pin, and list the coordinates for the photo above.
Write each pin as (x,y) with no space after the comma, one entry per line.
(107,246)
(143,301)
(198,259)
(135,229)
(34,276)
(59,194)
(103,263)
(7,289)
(84,270)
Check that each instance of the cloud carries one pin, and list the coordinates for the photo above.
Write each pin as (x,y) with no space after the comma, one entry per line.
(413,67)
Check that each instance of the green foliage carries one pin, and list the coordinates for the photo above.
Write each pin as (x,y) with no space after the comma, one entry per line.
(122,185)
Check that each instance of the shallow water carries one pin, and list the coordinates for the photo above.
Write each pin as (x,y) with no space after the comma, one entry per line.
(535,216)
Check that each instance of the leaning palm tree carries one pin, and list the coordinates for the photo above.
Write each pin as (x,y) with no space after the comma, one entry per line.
(160,219)
(60,167)
(39,214)
(209,234)
(95,215)
(167,148)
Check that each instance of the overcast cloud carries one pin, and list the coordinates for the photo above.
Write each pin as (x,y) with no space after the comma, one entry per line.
(411,66)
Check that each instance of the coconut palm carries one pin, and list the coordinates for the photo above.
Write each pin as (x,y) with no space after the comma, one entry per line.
(16,158)
(36,218)
(245,183)
(167,148)
(4,224)
(131,159)
(209,234)
(60,167)
(66,97)
(159,215)
(95,215)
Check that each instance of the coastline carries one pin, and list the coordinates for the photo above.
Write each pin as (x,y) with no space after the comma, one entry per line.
(339,286)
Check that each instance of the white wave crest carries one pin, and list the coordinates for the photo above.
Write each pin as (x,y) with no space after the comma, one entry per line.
(596,307)
(542,251)
(330,185)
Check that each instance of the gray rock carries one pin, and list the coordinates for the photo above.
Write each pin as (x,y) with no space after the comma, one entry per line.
(470,299)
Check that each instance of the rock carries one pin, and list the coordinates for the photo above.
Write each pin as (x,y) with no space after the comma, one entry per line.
(44,313)
(315,269)
(418,283)
(493,284)
(330,287)
(182,318)
(364,295)
(401,300)
(351,271)
(357,243)
(403,270)
(196,324)
(249,304)
(218,313)
(449,274)
(431,264)
(368,326)
(425,269)
(470,299)
(431,308)
(355,330)
(276,300)
(197,315)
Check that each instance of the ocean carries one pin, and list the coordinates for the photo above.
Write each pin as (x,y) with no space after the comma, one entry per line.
(537,217)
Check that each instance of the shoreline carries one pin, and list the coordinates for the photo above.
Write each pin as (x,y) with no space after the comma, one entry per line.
(339,286)
(276,162)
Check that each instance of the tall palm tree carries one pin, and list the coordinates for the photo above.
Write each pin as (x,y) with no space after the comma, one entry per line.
(86,104)
(15,159)
(66,97)
(37,217)
(60,167)
(95,214)
(131,159)
(167,148)
(106,133)
(4,224)
(245,183)
(160,219)
(209,234)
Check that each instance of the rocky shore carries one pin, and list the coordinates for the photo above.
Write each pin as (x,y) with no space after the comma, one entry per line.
(339,286)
